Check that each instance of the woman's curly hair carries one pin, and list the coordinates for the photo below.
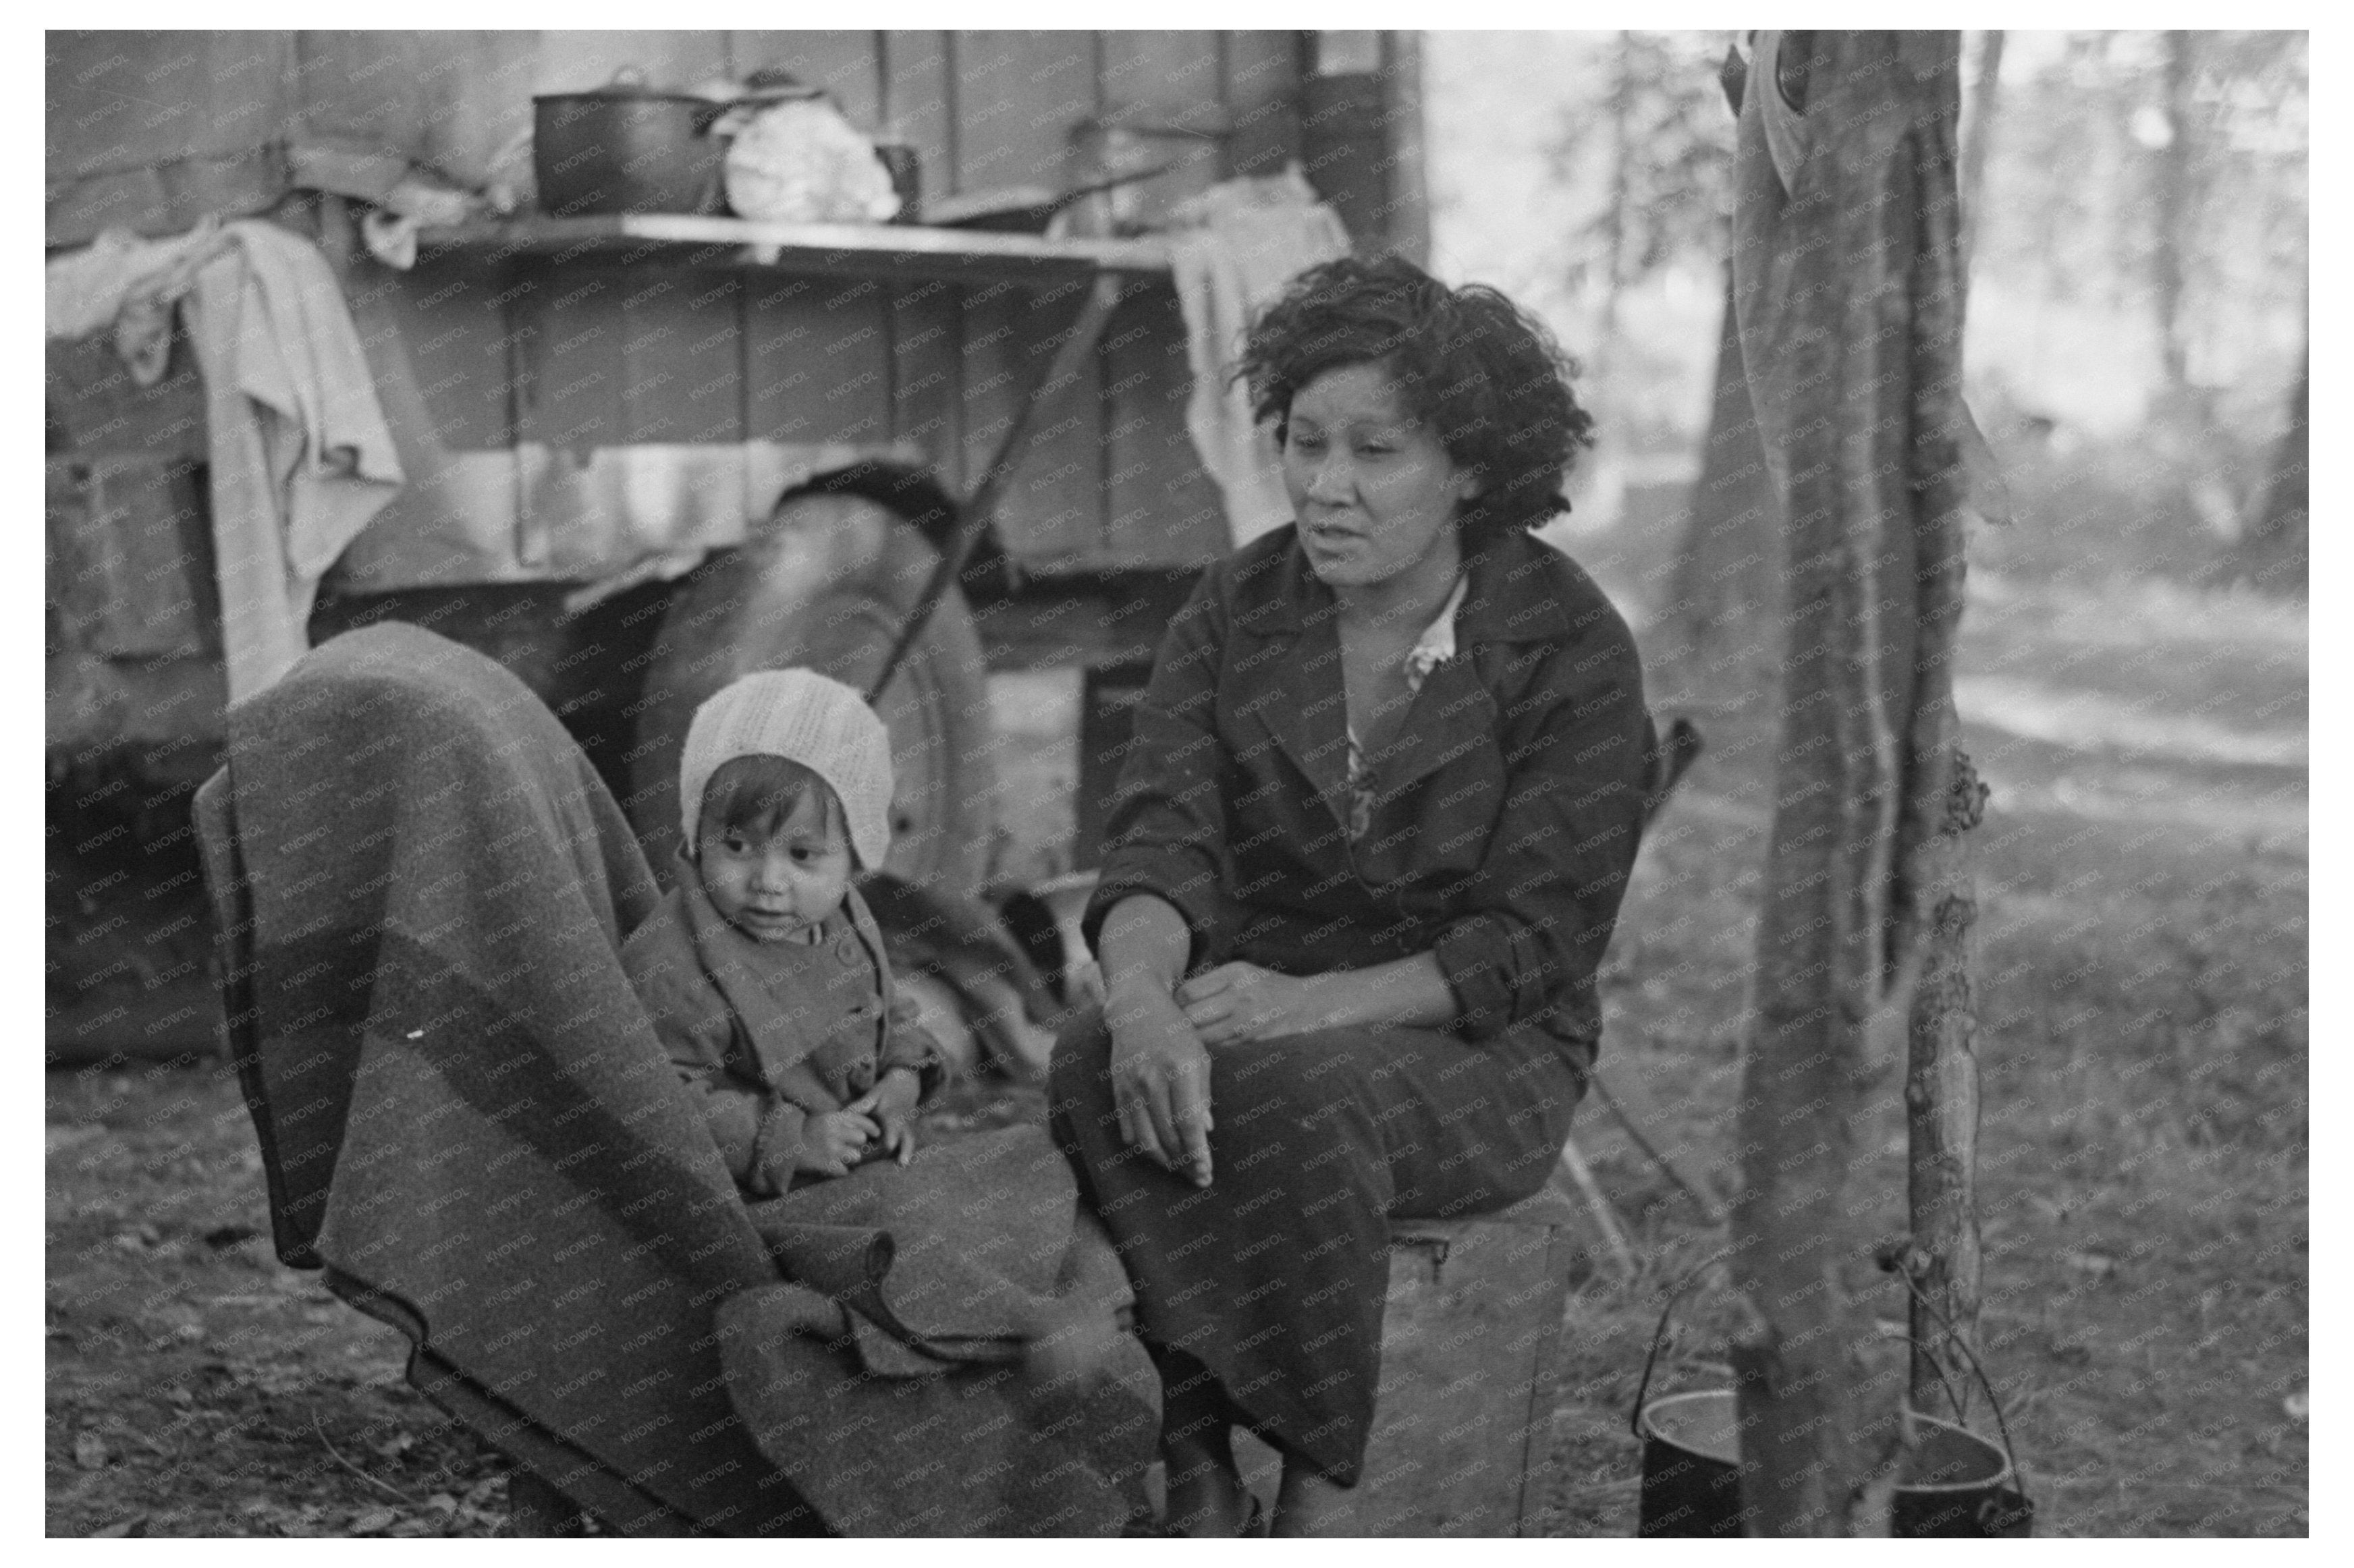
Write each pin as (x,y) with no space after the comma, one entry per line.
(1480,373)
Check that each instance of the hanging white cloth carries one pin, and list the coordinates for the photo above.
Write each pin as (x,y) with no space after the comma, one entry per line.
(301,457)
(1253,237)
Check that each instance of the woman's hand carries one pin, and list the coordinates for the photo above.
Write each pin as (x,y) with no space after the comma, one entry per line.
(1243,1002)
(1161,1080)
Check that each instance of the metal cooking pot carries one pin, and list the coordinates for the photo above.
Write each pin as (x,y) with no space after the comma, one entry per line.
(626,148)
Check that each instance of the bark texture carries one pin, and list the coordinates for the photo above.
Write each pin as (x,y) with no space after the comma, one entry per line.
(1847,284)
(1941,1107)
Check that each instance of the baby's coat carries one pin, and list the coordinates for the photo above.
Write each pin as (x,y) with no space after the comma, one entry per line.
(773,1033)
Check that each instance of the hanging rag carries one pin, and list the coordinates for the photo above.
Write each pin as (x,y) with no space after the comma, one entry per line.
(1251,238)
(301,457)
(1785,121)
(123,282)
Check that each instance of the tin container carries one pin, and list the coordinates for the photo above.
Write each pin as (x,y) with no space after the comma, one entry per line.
(627,149)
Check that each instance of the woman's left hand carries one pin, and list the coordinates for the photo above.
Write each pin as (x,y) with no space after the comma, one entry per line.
(1243,1002)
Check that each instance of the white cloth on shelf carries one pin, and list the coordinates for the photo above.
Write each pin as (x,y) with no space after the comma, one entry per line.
(1254,236)
(801,161)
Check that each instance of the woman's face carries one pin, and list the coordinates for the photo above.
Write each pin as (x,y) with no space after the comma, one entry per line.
(1373,490)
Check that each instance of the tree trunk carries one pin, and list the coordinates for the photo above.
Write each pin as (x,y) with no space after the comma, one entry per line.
(2171,214)
(1614,275)
(1941,1105)
(1847,284)
(2274,546)
(1986,89)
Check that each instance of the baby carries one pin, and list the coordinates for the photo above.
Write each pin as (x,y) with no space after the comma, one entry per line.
(763,969)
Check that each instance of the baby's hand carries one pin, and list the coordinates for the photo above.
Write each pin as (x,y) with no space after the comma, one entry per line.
(892,1103)
(833,1141)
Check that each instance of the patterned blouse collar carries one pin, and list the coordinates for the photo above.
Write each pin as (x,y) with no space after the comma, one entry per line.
(1432,649)
(1437,644)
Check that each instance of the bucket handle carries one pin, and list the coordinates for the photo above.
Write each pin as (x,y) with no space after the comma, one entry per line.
(1691,1277)
(1994,1401)
(1659,1334)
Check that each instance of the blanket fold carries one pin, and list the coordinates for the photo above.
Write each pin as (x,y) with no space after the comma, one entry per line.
(1002,1396)
(463,1108)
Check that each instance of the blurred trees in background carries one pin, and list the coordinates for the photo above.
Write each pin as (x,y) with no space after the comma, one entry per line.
(2273,548)
(1659,147)
(2168,167)
(2135,212)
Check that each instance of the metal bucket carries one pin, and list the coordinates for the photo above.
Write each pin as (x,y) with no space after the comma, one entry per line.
(1955,1483)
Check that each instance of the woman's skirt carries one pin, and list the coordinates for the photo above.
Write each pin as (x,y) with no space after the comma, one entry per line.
(1273,1277)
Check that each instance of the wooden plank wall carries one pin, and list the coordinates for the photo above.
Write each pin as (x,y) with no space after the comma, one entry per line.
(142,126)
(721,357)
(1111,480)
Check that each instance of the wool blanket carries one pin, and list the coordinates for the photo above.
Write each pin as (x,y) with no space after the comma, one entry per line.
(466,1118)
(959,1362)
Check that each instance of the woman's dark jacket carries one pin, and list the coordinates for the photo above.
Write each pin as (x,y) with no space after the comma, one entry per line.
(1508,811)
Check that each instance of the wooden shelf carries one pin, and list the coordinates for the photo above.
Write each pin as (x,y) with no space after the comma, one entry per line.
(847,249)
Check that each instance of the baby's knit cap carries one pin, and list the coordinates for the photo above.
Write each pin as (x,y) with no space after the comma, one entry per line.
(804,717)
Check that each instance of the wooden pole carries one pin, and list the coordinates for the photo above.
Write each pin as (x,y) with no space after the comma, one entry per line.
(1847,285)
(1940,1110)
(973,521)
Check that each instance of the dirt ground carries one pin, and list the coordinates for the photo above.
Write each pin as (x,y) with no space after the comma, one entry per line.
(2143,985)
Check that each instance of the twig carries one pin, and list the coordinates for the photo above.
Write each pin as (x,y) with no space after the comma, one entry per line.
(1596,1200)
(382,1486)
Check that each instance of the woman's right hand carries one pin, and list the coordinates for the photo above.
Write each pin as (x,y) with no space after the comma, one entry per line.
(1159,1080)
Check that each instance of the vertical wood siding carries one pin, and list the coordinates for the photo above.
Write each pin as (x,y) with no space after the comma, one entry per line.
(158,126)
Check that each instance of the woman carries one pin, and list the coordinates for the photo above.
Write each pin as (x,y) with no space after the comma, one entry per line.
(1366,854)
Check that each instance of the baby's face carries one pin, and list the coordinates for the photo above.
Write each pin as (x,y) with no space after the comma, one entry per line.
(777,890)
